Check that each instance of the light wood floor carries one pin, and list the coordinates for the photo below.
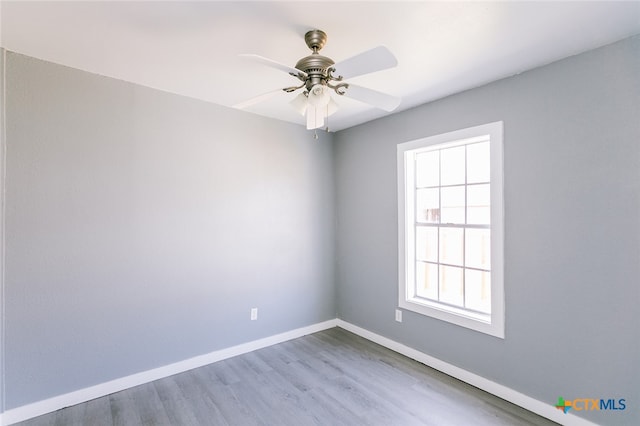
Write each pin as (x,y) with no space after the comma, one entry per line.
(328,378)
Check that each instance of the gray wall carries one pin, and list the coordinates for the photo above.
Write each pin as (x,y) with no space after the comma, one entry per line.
(143,226)
(572,230)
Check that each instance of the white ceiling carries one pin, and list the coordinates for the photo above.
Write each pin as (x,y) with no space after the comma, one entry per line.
(191,48)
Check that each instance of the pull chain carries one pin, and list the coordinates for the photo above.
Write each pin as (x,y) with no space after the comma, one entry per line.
(327,128)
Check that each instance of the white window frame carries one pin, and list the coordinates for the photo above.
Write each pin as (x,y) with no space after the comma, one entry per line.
(494,323)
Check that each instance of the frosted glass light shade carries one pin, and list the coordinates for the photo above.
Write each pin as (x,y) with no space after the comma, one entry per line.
(299,103)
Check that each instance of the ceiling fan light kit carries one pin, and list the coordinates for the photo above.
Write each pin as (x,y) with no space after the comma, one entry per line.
(319,75)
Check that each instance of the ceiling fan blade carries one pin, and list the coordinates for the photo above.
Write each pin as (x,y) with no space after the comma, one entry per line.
(273,64)
(376,59)
(315,117)
(372,97)
(257,99)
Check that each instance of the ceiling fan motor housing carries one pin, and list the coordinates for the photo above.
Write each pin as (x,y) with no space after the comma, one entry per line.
(315,65)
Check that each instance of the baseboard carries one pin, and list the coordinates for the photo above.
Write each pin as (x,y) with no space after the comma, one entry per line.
(543,409)
(39,408)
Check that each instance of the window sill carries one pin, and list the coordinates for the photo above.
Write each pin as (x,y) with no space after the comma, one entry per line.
(483,323)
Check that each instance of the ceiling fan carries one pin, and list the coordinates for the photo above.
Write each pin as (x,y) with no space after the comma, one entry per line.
(319,75)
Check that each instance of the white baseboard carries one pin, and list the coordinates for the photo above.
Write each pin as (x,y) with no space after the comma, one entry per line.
(543,409)
(39,408)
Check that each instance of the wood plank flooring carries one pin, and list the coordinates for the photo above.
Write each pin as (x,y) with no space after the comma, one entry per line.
(328,378)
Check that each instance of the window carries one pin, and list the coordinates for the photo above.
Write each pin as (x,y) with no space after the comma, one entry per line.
(451,227)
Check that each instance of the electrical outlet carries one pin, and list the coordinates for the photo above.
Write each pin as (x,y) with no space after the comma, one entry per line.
(254,314)
(398,315)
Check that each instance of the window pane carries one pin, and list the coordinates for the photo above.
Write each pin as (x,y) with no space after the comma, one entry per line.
(451,285)
(427,243)
(477,248)
(478,204)
(452,166)
(451,246)
(477,291)
(427,206)
(427,280)
(428,169)
(452,204)
(478,163)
